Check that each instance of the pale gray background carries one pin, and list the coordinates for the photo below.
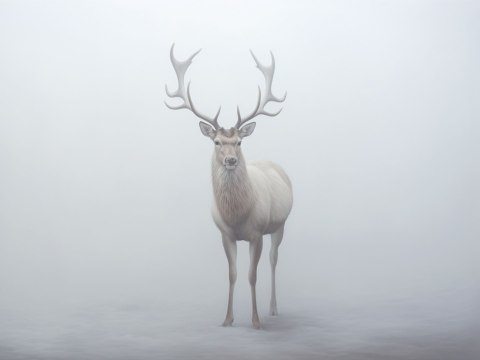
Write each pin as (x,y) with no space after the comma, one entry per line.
(107,248)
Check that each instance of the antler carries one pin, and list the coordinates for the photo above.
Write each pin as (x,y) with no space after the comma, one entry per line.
(181,68)
(267,72)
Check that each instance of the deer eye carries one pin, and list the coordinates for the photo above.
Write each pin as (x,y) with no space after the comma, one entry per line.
(239,143)
(217,142)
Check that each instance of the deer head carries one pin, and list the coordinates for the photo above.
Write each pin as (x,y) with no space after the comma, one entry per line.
(227,141)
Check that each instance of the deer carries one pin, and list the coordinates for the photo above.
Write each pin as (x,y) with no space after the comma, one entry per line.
(250,199)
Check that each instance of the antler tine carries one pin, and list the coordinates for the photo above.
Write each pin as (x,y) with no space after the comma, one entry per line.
(268,72)
(249,117)
(181,68)
(213,121)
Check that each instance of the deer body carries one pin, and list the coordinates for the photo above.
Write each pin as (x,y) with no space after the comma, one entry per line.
(250,200)
(247,204)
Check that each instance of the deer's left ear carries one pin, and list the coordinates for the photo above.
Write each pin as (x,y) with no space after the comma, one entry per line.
(247,130)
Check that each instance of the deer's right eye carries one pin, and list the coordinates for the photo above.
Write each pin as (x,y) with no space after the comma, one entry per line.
(217,142)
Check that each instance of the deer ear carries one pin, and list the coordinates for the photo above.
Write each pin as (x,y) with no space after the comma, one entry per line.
(246,130)
(207,130)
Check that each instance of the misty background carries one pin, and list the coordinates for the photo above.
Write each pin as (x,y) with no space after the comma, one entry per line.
(107,246)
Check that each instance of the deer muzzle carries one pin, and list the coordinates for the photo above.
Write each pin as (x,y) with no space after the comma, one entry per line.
(230,162)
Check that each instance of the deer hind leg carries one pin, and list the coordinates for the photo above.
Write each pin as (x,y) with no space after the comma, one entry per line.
(276,240)
(230,247)
(255,252)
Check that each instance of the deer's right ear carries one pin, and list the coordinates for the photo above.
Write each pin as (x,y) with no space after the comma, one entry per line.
(207,130)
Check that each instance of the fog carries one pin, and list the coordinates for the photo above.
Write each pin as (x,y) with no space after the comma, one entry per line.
(107,246)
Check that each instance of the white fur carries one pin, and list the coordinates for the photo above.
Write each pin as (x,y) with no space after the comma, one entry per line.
(250,201)
(266,193)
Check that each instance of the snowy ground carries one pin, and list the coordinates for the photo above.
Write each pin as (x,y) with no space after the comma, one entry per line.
(118,330)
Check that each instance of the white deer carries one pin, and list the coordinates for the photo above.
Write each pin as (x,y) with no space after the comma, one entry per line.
(252,199)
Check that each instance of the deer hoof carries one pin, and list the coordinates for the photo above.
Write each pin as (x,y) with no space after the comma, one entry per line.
(256,324)
(227,322)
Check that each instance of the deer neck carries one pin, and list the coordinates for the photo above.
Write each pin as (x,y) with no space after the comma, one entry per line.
(232,191)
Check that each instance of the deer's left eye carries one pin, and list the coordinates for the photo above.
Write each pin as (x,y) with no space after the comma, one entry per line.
(239,143)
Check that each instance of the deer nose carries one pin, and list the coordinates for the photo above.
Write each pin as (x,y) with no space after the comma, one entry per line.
(231,161)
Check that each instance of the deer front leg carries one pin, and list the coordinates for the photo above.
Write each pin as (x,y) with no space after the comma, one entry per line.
(255,252)
(230,247)
(276,240)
